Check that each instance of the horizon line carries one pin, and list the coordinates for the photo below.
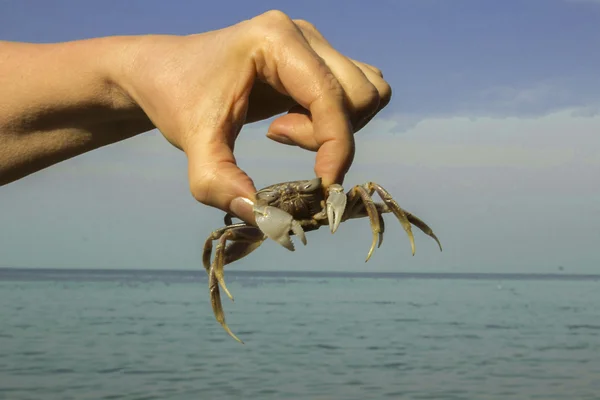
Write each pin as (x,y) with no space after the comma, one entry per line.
(307,273)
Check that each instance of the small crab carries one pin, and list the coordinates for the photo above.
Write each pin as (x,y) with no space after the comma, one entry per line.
(293,208)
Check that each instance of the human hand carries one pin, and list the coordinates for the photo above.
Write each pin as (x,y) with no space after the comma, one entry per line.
(200,90)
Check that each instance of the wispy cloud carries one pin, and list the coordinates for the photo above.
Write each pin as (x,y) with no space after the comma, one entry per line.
(567,136)
(468,141)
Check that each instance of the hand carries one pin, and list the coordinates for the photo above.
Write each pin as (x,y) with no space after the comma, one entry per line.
(200,90)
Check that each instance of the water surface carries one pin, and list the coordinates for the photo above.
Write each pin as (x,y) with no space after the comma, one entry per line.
(151,335)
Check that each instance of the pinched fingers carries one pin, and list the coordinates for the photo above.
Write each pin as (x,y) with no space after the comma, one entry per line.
(372,68)
(384,91)
(363,84)
(286,60)
(365,94)
(335,96)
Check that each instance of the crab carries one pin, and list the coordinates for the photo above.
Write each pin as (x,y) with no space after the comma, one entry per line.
(293,208)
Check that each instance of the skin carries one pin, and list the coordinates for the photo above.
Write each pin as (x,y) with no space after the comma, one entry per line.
(64,99)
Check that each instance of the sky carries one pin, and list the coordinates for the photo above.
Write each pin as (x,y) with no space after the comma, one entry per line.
(492,137)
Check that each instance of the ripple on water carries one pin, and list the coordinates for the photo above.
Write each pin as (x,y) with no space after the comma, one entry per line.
(584,327)
(368,342)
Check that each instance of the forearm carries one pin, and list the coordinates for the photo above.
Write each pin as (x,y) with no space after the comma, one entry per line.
(60,100)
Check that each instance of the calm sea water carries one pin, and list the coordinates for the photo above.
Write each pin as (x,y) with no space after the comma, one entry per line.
(151,335)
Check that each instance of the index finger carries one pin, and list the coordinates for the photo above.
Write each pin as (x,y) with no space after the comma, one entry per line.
(287,62)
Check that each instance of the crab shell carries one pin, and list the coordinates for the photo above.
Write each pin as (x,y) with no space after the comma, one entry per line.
(296,207)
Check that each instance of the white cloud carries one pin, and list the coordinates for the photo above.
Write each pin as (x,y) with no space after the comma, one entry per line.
(510,97)
(570,136)
(580,91)
(478,181)
(560,138)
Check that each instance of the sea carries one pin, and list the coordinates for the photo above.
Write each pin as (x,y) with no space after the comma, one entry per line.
(107,334)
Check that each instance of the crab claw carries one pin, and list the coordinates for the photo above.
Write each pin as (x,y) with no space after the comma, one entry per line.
(336,205)
(277,224)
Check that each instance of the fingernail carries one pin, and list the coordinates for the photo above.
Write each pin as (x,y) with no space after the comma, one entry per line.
(242,208)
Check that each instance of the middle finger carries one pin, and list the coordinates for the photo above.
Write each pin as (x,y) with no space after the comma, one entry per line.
(366,92)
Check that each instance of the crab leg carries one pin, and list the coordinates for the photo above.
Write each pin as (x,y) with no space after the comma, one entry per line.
(395,208)
(374,217)
(404,217)
(215,300)
(245,239)
(381,229)
(219,263)
(422,226)
(238,250)
(215,235)
(358,210)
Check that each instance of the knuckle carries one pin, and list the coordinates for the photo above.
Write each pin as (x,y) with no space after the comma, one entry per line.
(376,70)
(367,99)
(385,93)
(305,25)
(271,28)
(310,31)
(274,17)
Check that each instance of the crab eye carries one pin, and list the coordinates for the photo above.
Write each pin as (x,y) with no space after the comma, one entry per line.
(311,185)
(268,195)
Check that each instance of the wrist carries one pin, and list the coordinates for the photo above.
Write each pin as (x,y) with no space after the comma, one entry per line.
(112,62)
(116,59)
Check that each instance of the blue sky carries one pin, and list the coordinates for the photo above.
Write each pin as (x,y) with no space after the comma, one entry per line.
(492,137)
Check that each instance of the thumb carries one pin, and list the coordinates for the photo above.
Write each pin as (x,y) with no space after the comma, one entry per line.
(216,180)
